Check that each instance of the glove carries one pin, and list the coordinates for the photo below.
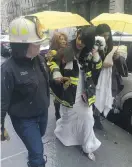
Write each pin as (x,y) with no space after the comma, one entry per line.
(67,82)
(4,135)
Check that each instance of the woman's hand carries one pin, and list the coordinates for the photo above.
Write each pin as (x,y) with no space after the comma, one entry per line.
(116,55)
(66,79)
(66,82)
(59,80)
(108,62)
(62,79)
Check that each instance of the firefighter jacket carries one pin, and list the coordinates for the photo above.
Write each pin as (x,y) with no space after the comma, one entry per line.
(65,93)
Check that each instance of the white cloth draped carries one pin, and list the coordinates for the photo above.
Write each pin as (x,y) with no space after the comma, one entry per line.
(75,127)
(104,99)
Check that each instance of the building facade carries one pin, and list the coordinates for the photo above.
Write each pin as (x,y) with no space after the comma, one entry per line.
(116,6)
(86,8)
(82,7)
(11,9)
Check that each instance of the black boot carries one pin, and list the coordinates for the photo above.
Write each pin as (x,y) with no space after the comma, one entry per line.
(57,110)
(98,125)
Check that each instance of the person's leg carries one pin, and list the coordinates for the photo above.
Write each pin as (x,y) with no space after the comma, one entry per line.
(57,109)
(98,124)
(28,131)
(42,122)
(90,142)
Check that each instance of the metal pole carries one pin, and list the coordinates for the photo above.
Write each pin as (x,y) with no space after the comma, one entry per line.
(66,5)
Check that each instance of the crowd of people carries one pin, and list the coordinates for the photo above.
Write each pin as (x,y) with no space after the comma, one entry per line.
(71,72)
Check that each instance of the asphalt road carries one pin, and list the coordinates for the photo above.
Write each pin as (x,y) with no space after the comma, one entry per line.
(116,149)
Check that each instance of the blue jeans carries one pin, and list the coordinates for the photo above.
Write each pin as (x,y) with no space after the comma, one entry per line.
(30,131)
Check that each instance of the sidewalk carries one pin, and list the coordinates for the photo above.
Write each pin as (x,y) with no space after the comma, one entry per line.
(116,149)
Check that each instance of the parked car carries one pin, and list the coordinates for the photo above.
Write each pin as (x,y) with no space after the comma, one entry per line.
(5,48)
(122,114)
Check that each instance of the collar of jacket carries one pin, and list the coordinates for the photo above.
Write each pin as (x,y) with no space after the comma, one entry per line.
(25,61)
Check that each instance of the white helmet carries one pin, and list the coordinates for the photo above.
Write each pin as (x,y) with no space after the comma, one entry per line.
(26,29)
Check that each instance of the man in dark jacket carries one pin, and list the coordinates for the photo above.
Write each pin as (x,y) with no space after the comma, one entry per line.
(25,89)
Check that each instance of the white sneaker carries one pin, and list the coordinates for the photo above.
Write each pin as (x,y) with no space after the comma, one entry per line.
(91,156)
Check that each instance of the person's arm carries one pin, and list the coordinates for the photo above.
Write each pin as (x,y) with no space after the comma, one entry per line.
(7,86)
(55,70)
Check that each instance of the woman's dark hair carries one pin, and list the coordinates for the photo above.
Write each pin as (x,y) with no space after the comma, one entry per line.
(102,28)
(87,36)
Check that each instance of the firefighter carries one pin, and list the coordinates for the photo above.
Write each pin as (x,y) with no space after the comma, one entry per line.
(25,87)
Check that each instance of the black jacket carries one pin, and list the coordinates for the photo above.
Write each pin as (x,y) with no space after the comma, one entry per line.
(129,60)
(24,86)
(119,70)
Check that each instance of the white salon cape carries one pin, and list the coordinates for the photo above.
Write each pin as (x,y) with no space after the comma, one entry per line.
(104,99)
(75,127)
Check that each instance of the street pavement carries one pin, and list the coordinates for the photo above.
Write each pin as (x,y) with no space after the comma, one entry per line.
(115,151)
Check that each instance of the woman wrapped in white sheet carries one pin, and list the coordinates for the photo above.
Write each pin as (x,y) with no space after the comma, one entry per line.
(75,127)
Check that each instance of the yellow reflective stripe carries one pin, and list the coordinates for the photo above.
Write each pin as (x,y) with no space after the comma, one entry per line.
(74,83)
(24,31)
(74,80)
(91,100)
(14,31)
(99,65)
(63,102)
(89,74)
(66,104)
(53,65)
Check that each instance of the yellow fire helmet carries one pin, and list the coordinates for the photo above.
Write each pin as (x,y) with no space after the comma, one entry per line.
(27,29)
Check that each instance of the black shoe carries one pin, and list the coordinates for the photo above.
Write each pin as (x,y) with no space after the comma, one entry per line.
(98,125)
(57,110)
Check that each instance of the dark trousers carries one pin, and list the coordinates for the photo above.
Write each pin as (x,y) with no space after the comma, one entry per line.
(30,132)
(57,109)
